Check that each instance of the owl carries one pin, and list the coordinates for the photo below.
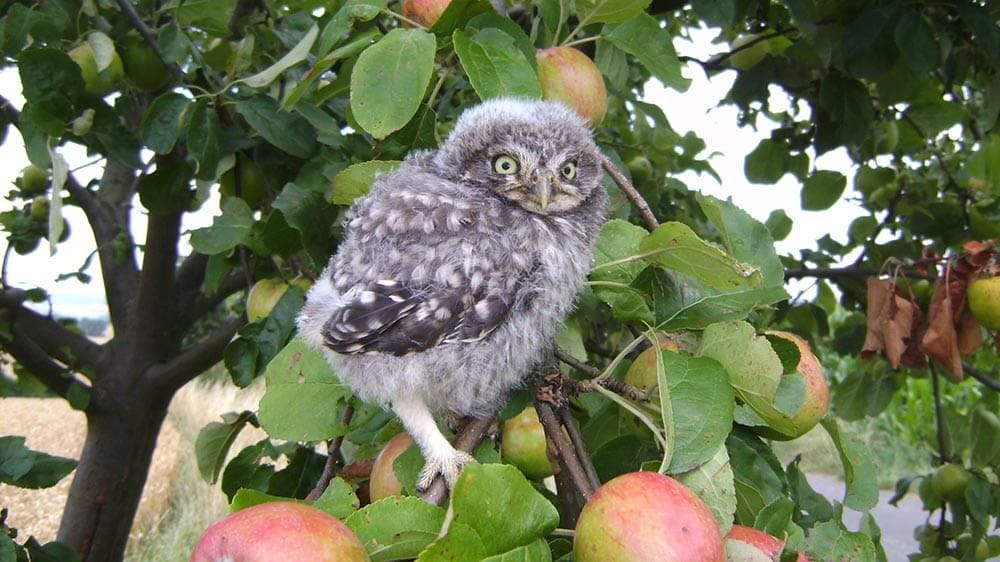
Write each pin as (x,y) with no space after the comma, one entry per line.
(457,268)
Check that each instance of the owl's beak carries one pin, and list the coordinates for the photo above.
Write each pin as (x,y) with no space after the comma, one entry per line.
(541,190)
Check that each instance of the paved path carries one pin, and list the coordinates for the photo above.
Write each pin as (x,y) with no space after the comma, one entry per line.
(897,522)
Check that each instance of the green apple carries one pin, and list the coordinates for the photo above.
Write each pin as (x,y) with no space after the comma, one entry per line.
(39,210)
(144,69)
(949,481)
(34,180)
(252,183)
(783,427)
(984,301)
(745,57)
(263,296)
(94,82)
(524,444)
(569,76)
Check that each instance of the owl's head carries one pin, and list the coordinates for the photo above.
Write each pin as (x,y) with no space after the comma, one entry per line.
(538,155)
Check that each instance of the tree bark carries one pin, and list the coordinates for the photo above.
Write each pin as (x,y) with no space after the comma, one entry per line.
(123,423)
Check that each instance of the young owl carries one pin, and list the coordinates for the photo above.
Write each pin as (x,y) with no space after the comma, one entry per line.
(458,267)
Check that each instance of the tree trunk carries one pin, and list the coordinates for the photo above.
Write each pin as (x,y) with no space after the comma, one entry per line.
(123,423)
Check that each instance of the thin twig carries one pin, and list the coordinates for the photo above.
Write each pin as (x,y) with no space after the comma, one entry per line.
(982,377)
(631,192)
(332,458)
(565,449)
(565,490)
(468,438)
(936,387)
(147,34)
(565,357)
(580,446)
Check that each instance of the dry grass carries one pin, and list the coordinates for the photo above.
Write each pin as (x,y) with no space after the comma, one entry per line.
(177,504)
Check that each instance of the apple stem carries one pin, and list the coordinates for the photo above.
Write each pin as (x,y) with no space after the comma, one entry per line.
(632,193)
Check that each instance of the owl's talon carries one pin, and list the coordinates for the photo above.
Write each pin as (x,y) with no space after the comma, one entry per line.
(448,467)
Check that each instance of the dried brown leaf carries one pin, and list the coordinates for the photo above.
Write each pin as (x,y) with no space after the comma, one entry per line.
(940,341)
(893,322)
(879,300)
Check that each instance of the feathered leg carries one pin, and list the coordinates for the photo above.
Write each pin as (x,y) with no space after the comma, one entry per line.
(439,456)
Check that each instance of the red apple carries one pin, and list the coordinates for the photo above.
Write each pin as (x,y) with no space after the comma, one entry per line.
(279,532)
(524,444)
(383,481)
(740,535)
(425,12)
(568,76)
(647,517)
(784,427)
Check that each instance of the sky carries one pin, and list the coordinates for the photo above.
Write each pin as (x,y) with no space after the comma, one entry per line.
(693,110)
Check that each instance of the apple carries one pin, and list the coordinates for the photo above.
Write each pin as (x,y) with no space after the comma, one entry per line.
(642,375)
(817,397)
(425,12)
(569,76)
(769,545)
(143,67)
(886,137)
(279,532)
(94,82)
(39,209)
(949,481)
(263,296)
(646,517)
(746,57)
(34,180)
(252,183)
(640,168)
(384,482)
(984,301)
(524,444)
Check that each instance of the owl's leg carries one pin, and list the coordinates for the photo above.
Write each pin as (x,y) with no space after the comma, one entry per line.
(439,456)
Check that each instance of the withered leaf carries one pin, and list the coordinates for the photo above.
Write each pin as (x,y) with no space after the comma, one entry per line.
(892,325)
(940,341)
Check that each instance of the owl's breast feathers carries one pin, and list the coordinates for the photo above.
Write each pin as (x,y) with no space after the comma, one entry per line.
(425,263)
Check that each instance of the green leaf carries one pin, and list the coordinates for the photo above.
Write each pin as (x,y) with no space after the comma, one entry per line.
(715,484)
(822,189)
(849,108)
(702,310)
(985,434)
(358,43)
(204,137)
(211,16)
(766,163)
(458,13)
(758,476)
(537,551)
(859,471)
(643,38)
(246,497)
(754,368)
(396,528)
(675,246)
(933,118)
(350,12)
(830,541)
(161,125)
(495,65)
(166,190)
(228,230)
(744,237)
(778,224)
(357,179)
(461,542)
(288,131)
(805,497)
(213,442)
(916,42)
(297,54)
(301,392)
(617,265)
(51,79)
(339,499)
(390,79)
(484,497)
(307,212)
(25,468)
(609,11)
(701,404)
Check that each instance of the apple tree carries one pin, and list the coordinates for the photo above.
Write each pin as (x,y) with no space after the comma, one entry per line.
(273,118)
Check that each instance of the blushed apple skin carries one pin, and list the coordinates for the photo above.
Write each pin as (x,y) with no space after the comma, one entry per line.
(279,532)
(646,517)
(384,483)
(768,544)
(817,395)
(569,76)
(427,12)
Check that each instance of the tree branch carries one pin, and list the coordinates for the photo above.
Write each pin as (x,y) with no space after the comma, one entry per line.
(564,448)
(54,339)
(194,360)
(854,271)
(201,304)
(332,457)
(470,436)
(564,356)
(156,285)
(982,377)
(631,192)
(147,35)
(191,272)
(33,358)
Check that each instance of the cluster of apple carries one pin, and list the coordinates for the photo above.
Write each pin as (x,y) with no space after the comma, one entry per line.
(565,74)
(30,224)
(133,59)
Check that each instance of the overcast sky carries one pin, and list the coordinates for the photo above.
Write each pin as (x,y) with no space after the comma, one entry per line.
(694,110)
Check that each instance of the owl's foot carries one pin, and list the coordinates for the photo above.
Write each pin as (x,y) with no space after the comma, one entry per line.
(448,466)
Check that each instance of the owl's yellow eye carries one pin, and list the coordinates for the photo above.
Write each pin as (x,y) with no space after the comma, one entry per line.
(568,170)
(505,165)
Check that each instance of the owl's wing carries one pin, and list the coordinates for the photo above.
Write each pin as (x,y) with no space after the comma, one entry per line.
(387,317)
